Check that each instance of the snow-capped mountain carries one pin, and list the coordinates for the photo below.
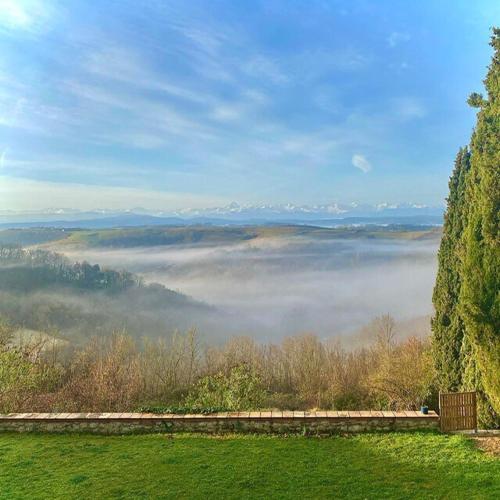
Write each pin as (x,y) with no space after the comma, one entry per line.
(333,210)
(328,215)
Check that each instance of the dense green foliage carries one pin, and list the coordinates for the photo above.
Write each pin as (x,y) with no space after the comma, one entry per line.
(28,270)
(447,323)
(404,465)
(240,389)
(480,292)
(470,263)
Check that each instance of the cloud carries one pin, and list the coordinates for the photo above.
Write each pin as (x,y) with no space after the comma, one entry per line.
(192,91)
(226,113)
(2,158)
(27,194)
(359,161)
(319,62)
(408,108)
(125,65)
(29,15)
(14,14)
(207,41)
(327,98)
(124,81)
(264,68)
(204,47)
(146,117)
(396,37)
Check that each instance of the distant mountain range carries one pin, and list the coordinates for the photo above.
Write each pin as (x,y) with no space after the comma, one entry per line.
(331,215)
(287,211)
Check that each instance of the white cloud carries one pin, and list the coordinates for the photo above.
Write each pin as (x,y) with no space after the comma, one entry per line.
(226,113)
(13,13)
(125,65)
(207,41)
(153,121)
(396,37)
(132,71)
(359,161)
(24,14)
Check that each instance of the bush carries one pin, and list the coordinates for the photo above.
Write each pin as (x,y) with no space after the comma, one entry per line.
(21,380)
(241,389)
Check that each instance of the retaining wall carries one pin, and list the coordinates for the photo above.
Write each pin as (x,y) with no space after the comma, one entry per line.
(320,422)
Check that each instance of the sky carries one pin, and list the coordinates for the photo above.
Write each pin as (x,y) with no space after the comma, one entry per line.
(189,104)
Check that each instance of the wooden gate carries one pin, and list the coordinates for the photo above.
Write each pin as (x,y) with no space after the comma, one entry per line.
(457,411)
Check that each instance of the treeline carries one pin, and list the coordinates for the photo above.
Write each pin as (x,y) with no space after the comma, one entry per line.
(116,374)
(466,325)
(44,291)
(28,270)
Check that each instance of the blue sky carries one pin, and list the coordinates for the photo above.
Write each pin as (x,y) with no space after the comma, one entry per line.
(167,105)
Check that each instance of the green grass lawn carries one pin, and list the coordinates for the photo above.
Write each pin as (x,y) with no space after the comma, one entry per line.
(396,465)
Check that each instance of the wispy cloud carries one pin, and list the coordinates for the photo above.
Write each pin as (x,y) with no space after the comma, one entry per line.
(125,65)
(3,156)
(265,69)
(408,108)
(359,161)
(146,116)
(397,37)
(219,100)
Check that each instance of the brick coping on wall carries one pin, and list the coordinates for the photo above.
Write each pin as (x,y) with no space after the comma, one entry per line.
(267,422)
(258,415)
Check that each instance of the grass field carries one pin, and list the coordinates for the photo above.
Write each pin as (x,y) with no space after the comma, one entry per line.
(403,465)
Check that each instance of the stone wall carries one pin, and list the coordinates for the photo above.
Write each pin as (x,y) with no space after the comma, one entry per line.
(326,422)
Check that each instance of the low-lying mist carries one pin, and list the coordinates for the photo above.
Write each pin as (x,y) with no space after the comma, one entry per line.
(271,287)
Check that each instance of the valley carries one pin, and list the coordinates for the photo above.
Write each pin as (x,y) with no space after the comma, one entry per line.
(268,282)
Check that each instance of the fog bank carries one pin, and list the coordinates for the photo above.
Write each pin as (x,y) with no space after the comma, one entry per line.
(273,287)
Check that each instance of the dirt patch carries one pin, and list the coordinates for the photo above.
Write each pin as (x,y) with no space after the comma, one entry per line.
(489,444)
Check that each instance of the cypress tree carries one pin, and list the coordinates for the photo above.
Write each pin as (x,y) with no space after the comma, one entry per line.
(479,301)
(447,324)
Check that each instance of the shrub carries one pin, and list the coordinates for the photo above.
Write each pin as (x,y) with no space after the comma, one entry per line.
(240,389)
(21,380)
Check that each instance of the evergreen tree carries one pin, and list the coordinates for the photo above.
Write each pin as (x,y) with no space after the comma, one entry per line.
(479,302)
(447,323)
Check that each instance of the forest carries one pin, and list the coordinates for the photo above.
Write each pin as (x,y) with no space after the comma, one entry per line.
(43,291)
(466,324)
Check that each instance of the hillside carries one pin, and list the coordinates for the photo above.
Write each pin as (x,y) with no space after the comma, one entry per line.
(127,237)
(256,279)
(41,290)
